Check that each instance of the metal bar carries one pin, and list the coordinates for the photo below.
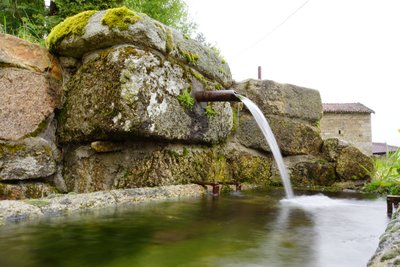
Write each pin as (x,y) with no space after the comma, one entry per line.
(216,96)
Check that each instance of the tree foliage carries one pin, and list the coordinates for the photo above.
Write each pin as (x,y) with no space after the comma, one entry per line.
(24,18)
(173,13)
(31,18)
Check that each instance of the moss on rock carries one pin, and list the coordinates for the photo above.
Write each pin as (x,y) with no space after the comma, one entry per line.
(119,18)
(70,26)
(352,164)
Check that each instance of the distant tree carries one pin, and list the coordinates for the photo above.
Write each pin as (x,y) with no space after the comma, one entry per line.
(173,13)
(32,18)
(23,18)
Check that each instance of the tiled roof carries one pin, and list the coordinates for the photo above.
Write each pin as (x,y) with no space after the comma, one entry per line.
(380,148)
(345,108)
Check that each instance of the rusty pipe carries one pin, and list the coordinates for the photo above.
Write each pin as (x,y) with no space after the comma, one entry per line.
(216,96)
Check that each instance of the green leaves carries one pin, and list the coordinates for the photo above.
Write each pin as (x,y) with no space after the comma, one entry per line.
(386,174)
(32,20)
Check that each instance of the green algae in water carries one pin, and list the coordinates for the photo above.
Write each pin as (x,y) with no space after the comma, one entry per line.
(247,229)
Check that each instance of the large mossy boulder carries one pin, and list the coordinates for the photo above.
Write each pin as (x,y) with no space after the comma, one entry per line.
(352,164)
(91,30)
(293,137)
(293,113)
(127,93)
(107,165)
(310,171)
(285,100)
(135,80)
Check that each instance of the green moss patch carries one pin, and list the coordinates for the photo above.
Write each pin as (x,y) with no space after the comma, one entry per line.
(210,112)
(70,26)
(119,18)
(190,57)
(186,100)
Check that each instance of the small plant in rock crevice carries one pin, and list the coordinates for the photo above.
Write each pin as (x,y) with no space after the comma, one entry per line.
(186,100)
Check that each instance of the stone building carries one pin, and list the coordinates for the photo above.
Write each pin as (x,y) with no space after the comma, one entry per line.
(350,122)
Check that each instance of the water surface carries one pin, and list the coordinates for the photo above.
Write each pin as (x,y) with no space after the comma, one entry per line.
(248,229)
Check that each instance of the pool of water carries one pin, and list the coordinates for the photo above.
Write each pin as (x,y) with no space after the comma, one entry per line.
(247,229)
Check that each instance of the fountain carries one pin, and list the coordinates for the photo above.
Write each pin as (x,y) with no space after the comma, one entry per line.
(232,96)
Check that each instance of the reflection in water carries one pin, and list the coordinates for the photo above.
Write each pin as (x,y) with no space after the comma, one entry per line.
(287,241)
(254,229)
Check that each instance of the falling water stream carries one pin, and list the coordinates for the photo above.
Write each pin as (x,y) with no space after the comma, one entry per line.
(269,136)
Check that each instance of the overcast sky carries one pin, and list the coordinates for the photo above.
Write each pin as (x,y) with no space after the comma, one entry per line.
(349,50)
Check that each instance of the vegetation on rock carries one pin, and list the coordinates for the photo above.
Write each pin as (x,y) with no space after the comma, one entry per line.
(186,100)
(120,18)
(33,20)
(72,25)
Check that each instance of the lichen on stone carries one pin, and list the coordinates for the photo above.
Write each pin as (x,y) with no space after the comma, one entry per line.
(119,18)
(70,26)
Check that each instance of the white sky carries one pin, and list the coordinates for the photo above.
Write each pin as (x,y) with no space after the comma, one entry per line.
(349,50)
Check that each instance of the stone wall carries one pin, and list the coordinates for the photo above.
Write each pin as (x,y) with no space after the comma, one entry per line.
(30,92)
(354,128)
(123,116)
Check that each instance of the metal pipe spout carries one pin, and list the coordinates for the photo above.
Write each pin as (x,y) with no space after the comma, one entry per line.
(216,96)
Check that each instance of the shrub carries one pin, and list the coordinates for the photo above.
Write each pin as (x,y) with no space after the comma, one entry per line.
(385,175)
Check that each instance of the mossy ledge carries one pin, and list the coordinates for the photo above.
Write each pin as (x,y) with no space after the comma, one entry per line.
(119,18)
(70,26)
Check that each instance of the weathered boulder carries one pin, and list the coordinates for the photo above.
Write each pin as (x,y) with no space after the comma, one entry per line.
(308,170)
(27,101)
(30,85)
(143,164)
(128,93)
(293,137)
(247,165)
(286,100)
(352,164)
(90,30)
(18,53)
(292,112)
(30,158)
(26,190)
(332,147)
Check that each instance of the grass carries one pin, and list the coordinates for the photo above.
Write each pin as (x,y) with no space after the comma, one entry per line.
(385,176)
